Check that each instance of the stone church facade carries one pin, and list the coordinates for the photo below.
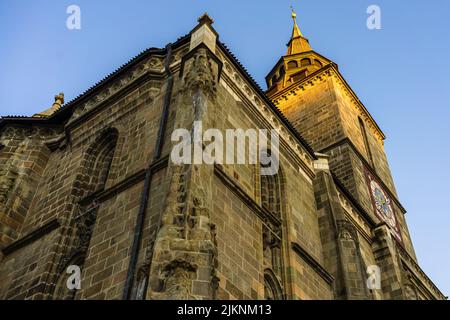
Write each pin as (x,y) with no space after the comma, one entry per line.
(90,183)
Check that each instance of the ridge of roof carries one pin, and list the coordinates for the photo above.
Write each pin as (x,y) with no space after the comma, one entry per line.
(139,57)
(66,110)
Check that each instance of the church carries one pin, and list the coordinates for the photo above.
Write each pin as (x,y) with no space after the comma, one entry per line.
(90,184)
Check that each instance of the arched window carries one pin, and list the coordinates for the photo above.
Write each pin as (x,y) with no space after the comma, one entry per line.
(305,62)
(93,177)
(99,160)
(140,287)
(282,72)
(271,187)
(274,79)
(272,287)
(317,63)
(292,64)
(270,194)
(362,128)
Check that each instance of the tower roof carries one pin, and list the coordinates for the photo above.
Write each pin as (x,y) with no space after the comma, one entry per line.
(298,42)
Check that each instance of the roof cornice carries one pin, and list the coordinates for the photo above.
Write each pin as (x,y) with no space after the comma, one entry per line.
(286,57)
(65,112)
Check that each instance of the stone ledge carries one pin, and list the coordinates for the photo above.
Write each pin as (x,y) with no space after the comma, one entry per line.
(261,212)
(313,263)
(31,237)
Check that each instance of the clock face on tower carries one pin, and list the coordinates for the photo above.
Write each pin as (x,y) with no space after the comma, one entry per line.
(383,206)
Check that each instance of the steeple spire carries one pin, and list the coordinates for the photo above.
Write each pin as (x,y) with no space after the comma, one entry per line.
(298,42)
(296,31)
(299,62)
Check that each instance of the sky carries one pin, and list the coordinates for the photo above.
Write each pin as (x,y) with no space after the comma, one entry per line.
(400,72)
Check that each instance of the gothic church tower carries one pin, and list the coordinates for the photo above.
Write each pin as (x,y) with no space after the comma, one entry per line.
(93,183)
(310,91)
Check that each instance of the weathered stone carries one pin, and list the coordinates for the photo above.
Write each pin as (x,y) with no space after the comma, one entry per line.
(71,193)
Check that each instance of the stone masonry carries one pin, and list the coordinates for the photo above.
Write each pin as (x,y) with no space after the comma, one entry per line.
(92,183)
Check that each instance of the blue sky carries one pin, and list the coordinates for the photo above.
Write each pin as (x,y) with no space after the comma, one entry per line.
(401,73)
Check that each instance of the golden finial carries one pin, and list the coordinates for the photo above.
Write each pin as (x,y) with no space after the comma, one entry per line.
(298,43)
(294,15)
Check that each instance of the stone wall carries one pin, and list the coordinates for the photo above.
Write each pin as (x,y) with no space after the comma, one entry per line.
(73,193)
(53,184)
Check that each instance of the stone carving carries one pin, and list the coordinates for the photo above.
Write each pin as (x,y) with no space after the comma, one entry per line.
(200,75)
(410,292)
(189,232)
(9,173)
(215,263)
(409,289)
(177,277)
(34,133)
(140,286)
(84,227)
(6,185)
(346,230)
(186,241)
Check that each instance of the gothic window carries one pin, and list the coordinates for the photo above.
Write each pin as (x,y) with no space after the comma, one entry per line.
(270,194)
(94,175)
(317,63)
(272,288)
(271,199)
(292,64)
(366,140)
(100,156)
(140,287)
(305,62)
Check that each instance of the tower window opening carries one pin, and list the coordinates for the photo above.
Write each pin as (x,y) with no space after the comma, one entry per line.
(305,62)
(292,64)
(362,127)
(274,80)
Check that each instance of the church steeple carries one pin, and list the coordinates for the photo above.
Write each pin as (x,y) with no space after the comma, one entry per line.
(299,62)
(298,42)
(296,31)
